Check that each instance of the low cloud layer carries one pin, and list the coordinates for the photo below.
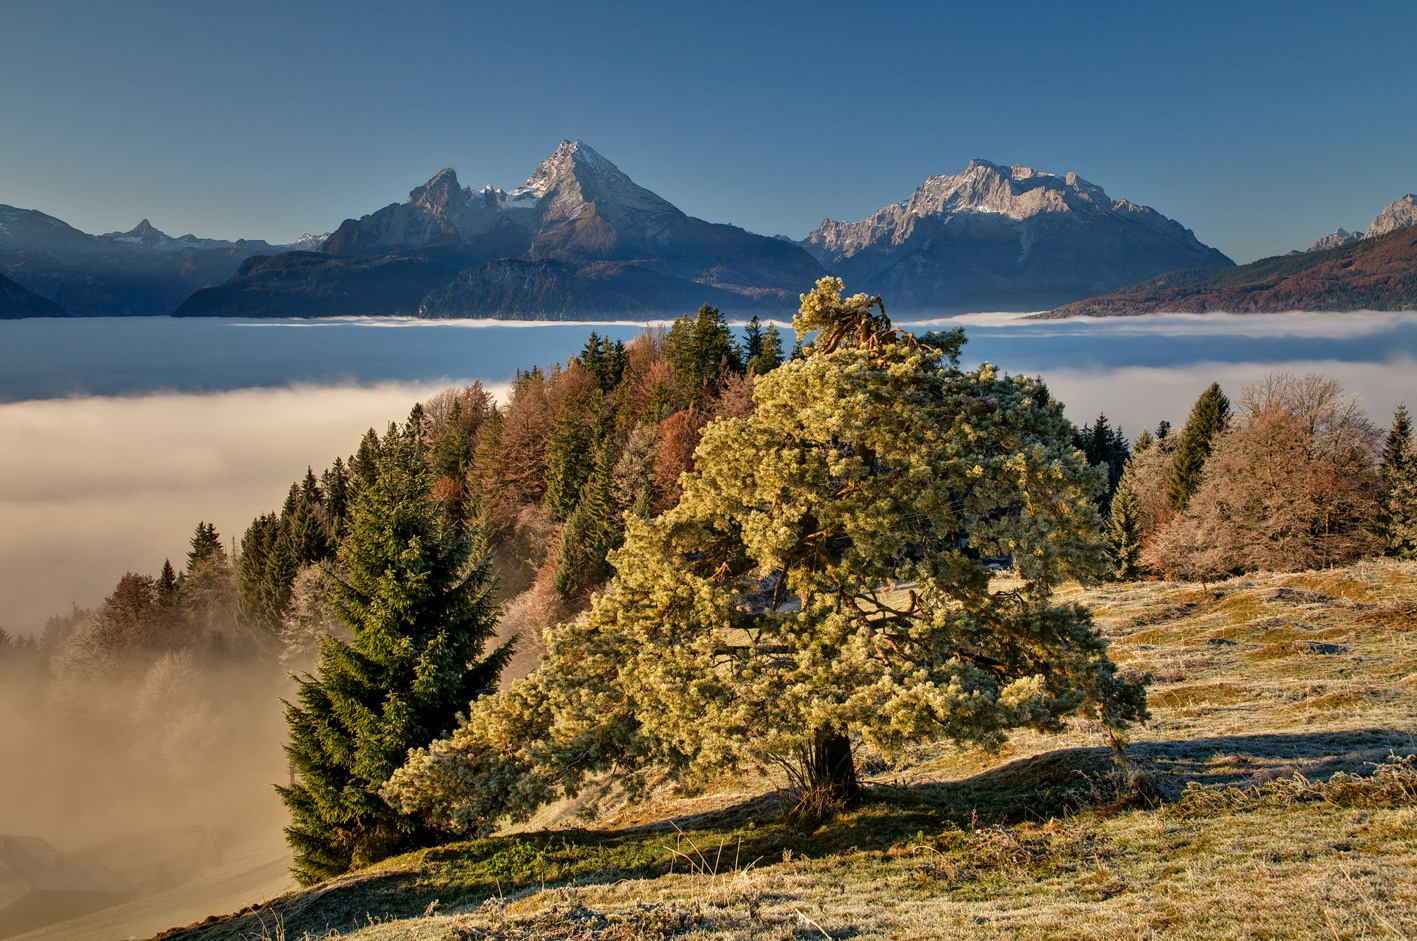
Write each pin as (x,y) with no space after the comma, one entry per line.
(91,488)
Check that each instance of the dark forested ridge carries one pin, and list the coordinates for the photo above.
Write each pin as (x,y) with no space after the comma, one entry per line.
(1377,273)
(16,302)
(139,273)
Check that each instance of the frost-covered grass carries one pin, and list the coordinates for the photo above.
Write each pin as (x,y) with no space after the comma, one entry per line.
(1269,799)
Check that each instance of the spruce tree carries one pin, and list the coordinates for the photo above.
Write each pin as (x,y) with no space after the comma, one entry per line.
(1123,530)
(752,339)
(206,544)
(1104,446)
(1208,419)
(591,532)
(417,598)
(1397,517)
(570,454)
(769,354)
(168,584)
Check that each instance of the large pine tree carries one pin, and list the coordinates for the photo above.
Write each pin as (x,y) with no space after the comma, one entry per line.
(417,598)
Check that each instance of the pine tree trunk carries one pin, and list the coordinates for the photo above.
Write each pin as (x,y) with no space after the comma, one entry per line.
(831,773)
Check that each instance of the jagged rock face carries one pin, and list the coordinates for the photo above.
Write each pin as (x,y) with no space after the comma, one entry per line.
(579,238)
(1004,238)
(1335,239)
(1398,215)
(576,203)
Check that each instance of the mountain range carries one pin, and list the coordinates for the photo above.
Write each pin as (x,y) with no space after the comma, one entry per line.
(1399,214)
(1004,238)
(1377,271)
(142,272)
(580,239)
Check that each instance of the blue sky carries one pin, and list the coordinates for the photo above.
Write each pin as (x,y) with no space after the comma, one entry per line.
(1261,126)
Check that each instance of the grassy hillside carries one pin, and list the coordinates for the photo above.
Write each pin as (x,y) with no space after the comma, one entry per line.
(1271,796)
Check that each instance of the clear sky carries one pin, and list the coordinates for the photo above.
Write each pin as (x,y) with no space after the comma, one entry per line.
(1259,125)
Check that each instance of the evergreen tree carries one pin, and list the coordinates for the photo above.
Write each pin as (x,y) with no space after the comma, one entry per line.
(364,463)
(168,583)
(862,468)
(1104,446)
(591,533)
(700,349)
(417,599)
(1208,419)
(1397,517)
(206,544)
(570,455)
(769,354)
(752,339)
(267,568)
(1123,532)
(452,461)
(336,483)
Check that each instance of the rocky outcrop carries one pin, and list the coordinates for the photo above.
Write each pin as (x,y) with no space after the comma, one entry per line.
(1399,214)
(1335,239)
(1005,238)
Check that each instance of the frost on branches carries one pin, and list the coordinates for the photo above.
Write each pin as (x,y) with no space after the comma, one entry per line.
(823,576)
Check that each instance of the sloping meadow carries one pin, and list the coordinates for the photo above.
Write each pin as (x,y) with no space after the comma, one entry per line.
(1273,794)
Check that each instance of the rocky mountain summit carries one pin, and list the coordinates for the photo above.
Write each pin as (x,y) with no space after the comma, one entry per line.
(1335,239)
(578,239)
(142,272)
(1399,214)
(1006,238)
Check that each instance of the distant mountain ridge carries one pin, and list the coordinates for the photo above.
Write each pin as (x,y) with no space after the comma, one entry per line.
(142,272)
(1378,273)
(579,238)
(1004,238)
(1342,271)
(1398,214)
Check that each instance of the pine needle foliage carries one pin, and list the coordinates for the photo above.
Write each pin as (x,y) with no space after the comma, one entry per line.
(823,575)
(1208,420)
(417,598)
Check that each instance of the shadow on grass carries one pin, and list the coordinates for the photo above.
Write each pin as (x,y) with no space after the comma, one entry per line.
(1055,784)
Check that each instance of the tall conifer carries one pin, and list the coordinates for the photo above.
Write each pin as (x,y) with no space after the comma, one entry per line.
(1397,518)
(418,600)
(1208,419)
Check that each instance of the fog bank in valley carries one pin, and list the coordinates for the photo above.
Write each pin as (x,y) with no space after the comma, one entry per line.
(91,488)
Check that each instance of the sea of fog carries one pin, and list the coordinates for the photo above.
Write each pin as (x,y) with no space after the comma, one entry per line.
(117,436)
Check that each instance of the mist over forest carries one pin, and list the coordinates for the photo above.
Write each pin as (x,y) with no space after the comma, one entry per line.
(164,686)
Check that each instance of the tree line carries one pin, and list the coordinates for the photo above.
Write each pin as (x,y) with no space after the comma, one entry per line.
(1291,476)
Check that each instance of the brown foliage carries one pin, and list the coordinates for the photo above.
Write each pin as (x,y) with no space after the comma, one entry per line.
(674,453)
(1292,485)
